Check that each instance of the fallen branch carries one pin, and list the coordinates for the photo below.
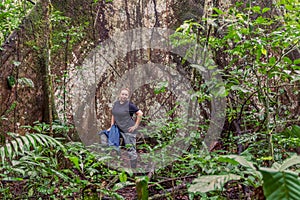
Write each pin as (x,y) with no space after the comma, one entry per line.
(172,179)
(182,188)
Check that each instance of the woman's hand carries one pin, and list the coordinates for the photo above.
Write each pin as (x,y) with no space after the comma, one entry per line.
(131,129)
(139,115)
(109,128)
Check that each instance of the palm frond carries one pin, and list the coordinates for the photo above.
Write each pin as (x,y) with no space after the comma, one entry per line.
(21,144)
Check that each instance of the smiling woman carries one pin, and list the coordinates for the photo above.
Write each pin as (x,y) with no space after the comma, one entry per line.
(122,115)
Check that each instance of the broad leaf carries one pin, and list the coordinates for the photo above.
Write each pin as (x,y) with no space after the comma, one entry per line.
(242,161)
(121,185)
(279,185)
(293,131)
(294,160)
(123,177)
(210,183)
(75,161)
(26,82)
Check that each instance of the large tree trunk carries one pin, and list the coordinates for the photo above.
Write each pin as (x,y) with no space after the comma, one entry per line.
(38,51)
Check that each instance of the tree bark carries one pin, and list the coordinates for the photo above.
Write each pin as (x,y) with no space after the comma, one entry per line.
(95,21)
(44,56)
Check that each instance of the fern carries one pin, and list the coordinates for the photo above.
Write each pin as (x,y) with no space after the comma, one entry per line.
(20,144)
(211,182)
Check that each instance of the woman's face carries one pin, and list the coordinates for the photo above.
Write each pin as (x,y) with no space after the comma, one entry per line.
(123,95)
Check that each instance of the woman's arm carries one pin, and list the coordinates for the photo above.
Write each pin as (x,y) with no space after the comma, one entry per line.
(139,115)
(112,122)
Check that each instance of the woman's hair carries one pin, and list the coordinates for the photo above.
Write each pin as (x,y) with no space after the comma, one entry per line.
(125,89)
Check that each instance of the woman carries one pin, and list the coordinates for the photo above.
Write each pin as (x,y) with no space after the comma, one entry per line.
(122,113)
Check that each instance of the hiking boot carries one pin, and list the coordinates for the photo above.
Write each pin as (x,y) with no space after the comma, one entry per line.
(133,163)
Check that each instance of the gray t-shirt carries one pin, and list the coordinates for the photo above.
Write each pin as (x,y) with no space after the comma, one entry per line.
(123,115)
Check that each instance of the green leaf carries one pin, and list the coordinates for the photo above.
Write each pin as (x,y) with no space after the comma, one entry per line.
(263,51)
(265,10)
(9,151)
(288,7)
(272,61)
(265,158)
(75,161)
(161,87)
(20,144)
(37,139)
(295,79)
(26,143)
(16,63)
(31,140)
(11,81)
(54,142)
(59,174)
(280,185)
(118,186)
(30,192)
(26,82)
(211,183)
(294,160)
(293,131)
(12,107)
(242,161)
(239,88)
(228,160)
(297,61)
(199,67)
(296,130)
(287,60)
(123,177)
(12,179)
(14,144)
(258,54)
(220,12)
(256,9)
(2,154)
(45,141)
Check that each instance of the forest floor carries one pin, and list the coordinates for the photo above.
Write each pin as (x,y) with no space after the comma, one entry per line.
(167,189)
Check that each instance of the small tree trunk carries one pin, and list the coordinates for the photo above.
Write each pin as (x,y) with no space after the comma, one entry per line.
(49,113)
(142,188)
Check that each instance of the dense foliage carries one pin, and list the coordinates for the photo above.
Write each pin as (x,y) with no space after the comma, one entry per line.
(11,14)
(256,158)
